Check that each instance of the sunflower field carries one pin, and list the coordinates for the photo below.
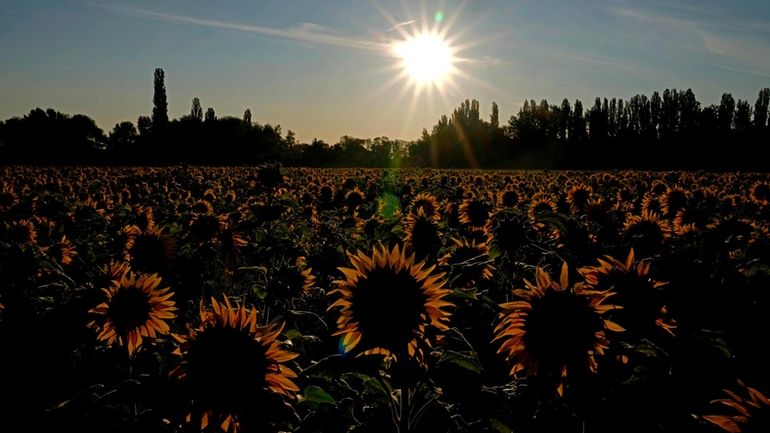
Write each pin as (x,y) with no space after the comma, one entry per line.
(269,299)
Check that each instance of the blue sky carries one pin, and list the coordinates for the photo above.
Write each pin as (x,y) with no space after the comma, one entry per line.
(319,68)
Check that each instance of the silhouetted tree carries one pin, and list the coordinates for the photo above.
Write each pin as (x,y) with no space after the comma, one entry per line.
(122,138)
(196,112)
(742,116)
(726,112)
(761,108)
(210,115)
(494,118)
(160,102)
(247,117)
(144,126)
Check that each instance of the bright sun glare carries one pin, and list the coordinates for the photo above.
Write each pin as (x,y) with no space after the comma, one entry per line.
(426,58)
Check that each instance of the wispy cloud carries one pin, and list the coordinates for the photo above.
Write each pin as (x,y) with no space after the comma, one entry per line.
(399,25)
(731,39)
(305,32)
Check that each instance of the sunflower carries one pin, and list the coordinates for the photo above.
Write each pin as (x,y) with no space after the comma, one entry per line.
(508,198)
(135,308)
(428,204)
(22,232)
(287,281)
(636,292)
(646,232)
(474,213)
(760,193)
(471,260)
(751,411)
(62,251)
(540,205)
(673,200)
(354,198)
(554,328)
(578,197)
(511,233)
(421,235)
(150,249)
(388,303)
(229,365)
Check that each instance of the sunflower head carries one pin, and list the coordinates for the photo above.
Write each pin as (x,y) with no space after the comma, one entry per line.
(354,198)
(228,366)
(421,235)
(748,411)
(135,308)
(539,206)
(673,200)
(643,309)
(578,197)
(469,262)
(428,204)
(389,304)
(554,328)
(474,213)
(150,249)
(508,198)
(646,232)
(62,251)
(760,193)
(289,281)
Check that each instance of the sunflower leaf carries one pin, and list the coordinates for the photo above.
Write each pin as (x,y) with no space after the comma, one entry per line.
(315,395)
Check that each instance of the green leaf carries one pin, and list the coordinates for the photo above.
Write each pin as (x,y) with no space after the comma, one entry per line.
(457,359)
(315,395)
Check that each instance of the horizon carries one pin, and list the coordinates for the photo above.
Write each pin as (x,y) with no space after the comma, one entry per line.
(326,71)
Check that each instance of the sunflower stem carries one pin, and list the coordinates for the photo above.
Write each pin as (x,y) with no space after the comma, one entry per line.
(403,419)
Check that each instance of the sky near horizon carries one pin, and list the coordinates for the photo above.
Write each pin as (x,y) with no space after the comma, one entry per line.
(325,69)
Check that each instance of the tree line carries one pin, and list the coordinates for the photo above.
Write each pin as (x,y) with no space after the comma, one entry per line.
(665,130)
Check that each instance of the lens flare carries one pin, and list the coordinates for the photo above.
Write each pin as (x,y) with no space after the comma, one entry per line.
(426,57)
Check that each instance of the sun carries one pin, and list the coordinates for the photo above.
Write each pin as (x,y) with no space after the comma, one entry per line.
(426,57)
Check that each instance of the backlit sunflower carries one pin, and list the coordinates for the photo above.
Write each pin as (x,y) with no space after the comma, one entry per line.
(62,251)
(354,198)
(474,213)
(646,232)
(578,197)
(229,366)
(554,328)
(673,200)
(22,232)
(428,204)
(760,193)
(421,236)
(150,249)
(508,198)
(469,262)
(135,308)
(636,292)
(750,411)
(540,205)
(388,303)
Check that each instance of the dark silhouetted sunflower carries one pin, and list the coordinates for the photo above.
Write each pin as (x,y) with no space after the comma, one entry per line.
(388,302)
(474,213)
(22,232)
(229,366)
(540,205)
(646,232)
(750,411)
(428,204)
(287,281)
(62,251)
(135,308)
(421,236)
(578,197)
(354,198)
(554,328)
(642,303)
(149,250)
(760,193)
(511,233)
(508,198)
(469,262)
(673,200)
